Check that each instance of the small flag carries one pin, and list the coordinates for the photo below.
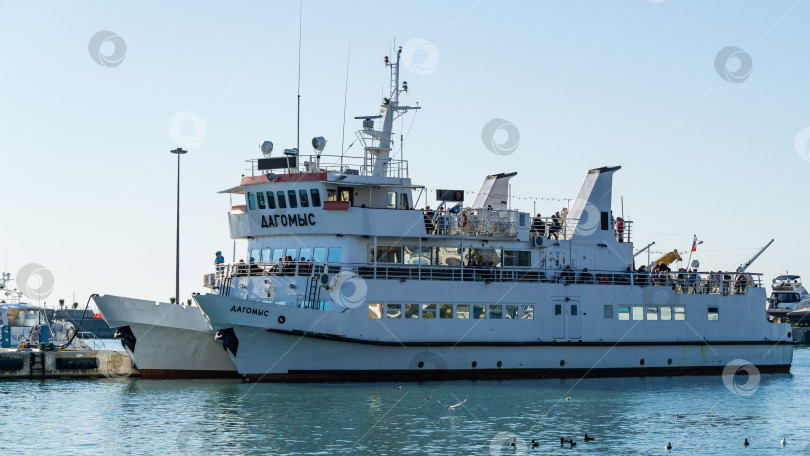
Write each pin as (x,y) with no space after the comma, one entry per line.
(695,243)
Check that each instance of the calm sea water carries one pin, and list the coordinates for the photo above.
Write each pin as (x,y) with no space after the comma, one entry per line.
(626,416)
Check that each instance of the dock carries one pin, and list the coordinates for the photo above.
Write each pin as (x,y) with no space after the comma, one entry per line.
(33,363)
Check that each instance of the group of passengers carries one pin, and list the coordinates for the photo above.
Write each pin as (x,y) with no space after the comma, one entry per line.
(551,229)
(284,266)
(439,222)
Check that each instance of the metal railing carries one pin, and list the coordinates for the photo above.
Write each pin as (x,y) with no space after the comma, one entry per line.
(681,282)
(565,228)
(474,222)
(347,164)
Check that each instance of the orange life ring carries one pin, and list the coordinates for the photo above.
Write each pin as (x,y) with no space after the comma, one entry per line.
(603,279)
(462,220)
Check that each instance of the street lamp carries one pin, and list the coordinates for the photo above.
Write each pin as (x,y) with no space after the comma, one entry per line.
(178,152)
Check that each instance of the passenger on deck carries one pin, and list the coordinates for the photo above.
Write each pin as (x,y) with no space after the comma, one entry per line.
(624,279)
(554,229)
(442,222)
(241,269)
(429,219)
(538,226)
(642,277)
(585,276)
(564,213)
(219,260)
(620,229)
(567,276)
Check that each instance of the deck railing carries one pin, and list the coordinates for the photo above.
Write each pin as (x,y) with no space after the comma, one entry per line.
(727,283)
(346,164)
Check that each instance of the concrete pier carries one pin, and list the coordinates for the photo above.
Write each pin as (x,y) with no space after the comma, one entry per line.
(35,363)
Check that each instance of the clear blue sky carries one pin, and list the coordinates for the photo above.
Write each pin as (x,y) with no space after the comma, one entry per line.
(88,183)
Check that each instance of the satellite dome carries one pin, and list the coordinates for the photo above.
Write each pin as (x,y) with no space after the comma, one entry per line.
(267,148)
(695,264)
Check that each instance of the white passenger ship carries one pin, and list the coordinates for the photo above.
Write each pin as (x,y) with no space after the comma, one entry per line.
(348,282)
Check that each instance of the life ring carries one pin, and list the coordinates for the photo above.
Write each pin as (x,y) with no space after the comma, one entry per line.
(462,220)
(70,332)
(34,330)
(603,279)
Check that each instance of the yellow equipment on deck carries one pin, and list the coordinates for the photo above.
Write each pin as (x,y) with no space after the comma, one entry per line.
(669,258)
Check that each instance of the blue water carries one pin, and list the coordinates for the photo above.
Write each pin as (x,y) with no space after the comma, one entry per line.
(625,415)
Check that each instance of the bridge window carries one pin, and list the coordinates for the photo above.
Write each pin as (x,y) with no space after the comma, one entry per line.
(394,311)
(714,313)
(316,197)
(411,310)
(446,310)
(271,200)
(319,254)
(479,311)
(680,313)
(666,313)
(251,201)
(527,312)
(463,311)
(652,313)
(428,310)
(282,202)
(495,311)
(255,255)
(511,312)
(608,310)
(260,199)
(293,202)
(374,310)
(302,196)
(392,200)
(387,254)
(624,313)
(334,255)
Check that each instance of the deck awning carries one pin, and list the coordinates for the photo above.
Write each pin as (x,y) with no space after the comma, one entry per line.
(238,190)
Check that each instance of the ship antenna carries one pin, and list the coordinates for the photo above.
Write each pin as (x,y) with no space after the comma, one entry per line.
(345,95)
(298,127)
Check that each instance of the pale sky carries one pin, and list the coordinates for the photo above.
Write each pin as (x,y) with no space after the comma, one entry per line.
(88,182)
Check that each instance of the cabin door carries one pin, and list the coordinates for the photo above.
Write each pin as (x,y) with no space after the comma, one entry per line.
(558,320)
(573,312)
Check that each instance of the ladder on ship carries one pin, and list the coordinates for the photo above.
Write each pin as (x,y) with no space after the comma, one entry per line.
(36,364)
(313,291)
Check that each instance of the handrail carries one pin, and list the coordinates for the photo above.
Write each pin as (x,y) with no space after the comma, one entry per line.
(364,165)
(680,282)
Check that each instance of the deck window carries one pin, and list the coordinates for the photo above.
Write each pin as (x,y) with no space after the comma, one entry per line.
(266,253)
(608,310)
(306,254)
(255,255)
(479,311)
(428,310)
(282,202)
(652,313)
(251,201)
(271,200)
(680,313)
(333,255)
(293,202)
(557,309)
(278,255)
(374,310)
(666,313)
(302,196)
(445,310)
(319,254)
(714,313)
(387,254)
(394,311)
(316,197)
(638,313)
(495,311)
(624,313)
(392,200)
(463,311)
(516,258)
(292,253)
(260,199)
(411,310)
(574,310)
(511,312)
(527,312)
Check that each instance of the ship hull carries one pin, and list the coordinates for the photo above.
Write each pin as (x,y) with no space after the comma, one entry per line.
(291,344)
(170,341)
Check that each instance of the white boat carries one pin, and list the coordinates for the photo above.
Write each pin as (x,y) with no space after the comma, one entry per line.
(26,325)
(788,294)
(166,340)
(373,289)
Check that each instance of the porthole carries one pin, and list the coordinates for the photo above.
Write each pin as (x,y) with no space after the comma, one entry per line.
(500,364)
(281,319)
(669,361)
(562,363)
(789,335)
(421,364)
(474,364)
(641,362)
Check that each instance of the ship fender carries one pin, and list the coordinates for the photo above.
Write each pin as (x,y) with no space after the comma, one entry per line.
(228,338)
(127,337)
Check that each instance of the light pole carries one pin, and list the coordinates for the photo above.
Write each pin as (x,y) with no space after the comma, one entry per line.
(178,152)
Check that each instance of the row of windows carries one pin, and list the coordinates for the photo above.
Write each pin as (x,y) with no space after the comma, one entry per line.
(452,256)
(317,254)
(269,201)
(459,311)
(654,312)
